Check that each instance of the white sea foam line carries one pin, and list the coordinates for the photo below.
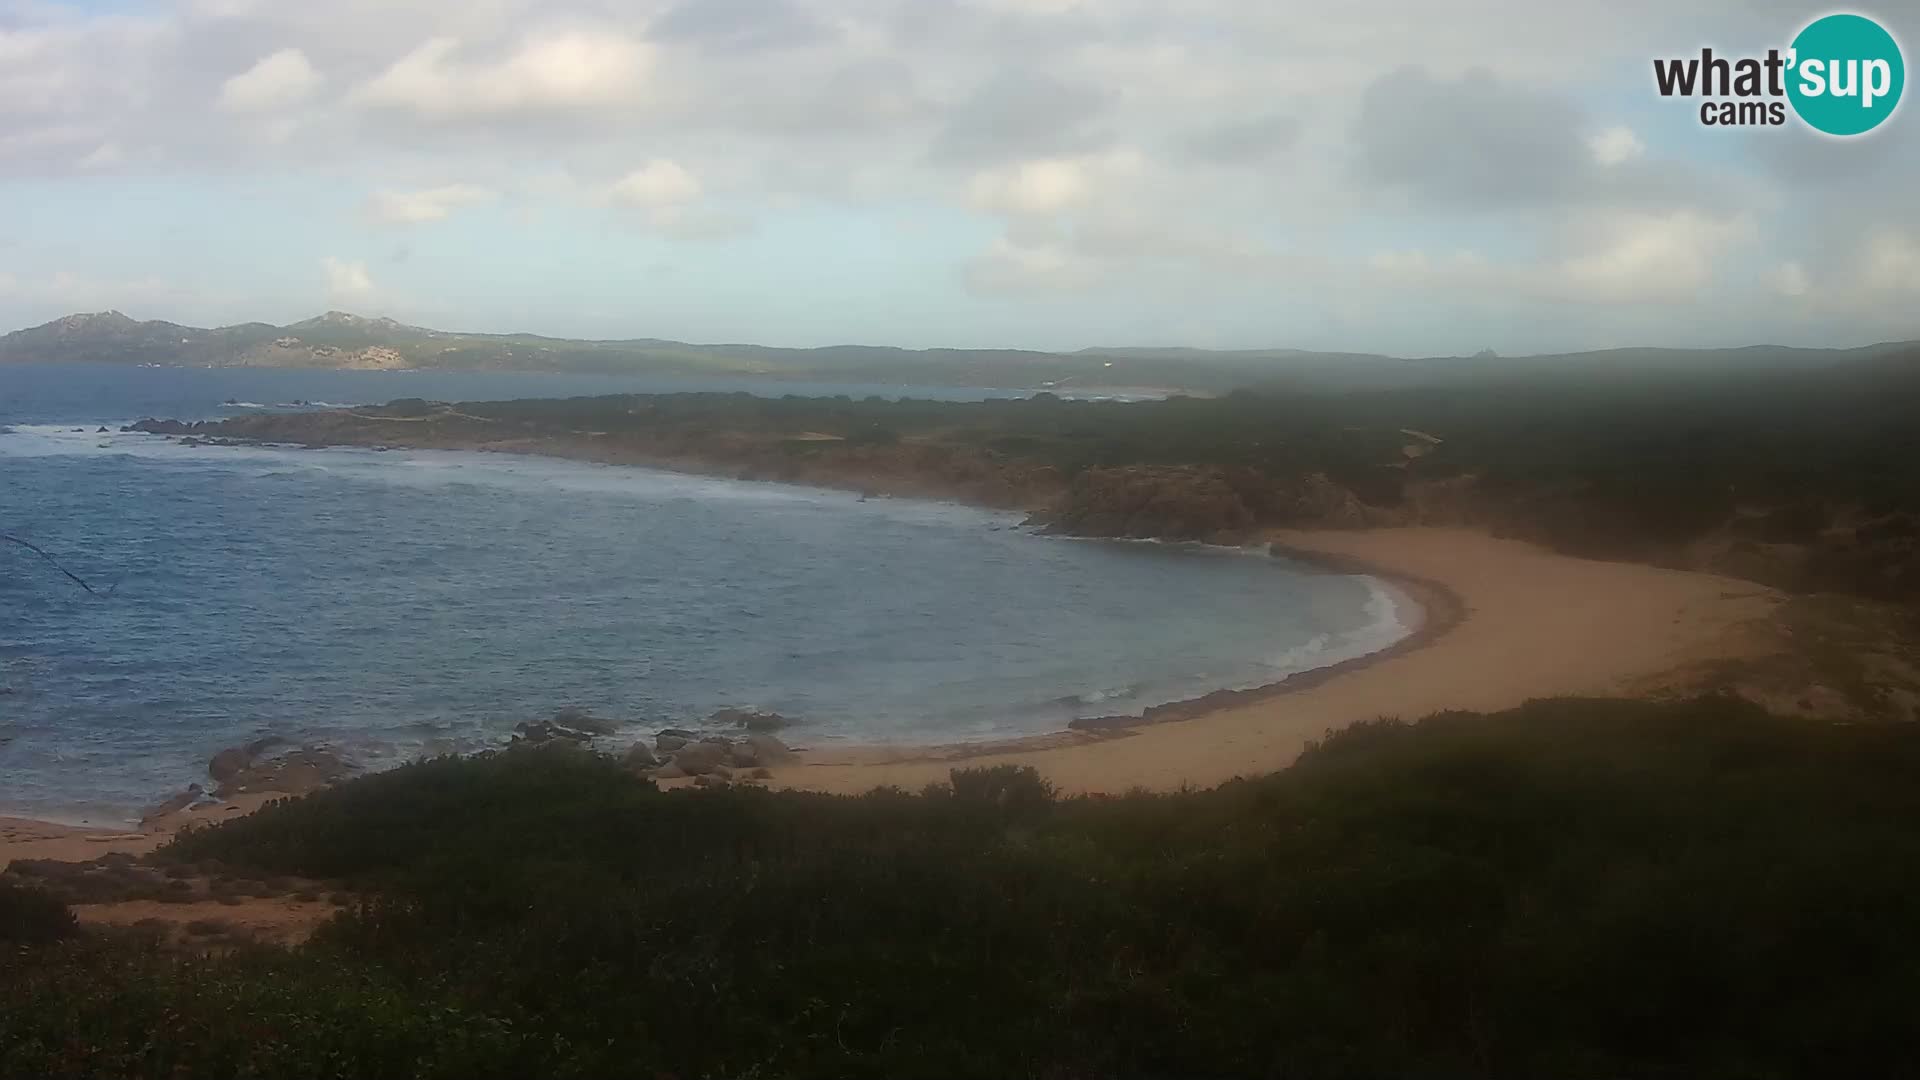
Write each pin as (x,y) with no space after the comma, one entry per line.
(428,468)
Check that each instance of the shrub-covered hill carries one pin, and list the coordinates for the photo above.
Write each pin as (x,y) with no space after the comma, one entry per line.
(1572,889)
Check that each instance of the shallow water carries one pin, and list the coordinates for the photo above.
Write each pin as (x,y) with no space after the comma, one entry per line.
(398,603)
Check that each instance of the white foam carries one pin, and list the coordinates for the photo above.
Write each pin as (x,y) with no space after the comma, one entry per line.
(1384,628)
(429,468)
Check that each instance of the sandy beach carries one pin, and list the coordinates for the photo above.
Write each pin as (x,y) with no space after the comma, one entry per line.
(1504,621)
(1530,623)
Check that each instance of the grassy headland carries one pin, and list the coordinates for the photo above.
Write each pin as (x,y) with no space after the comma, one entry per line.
(1807,482)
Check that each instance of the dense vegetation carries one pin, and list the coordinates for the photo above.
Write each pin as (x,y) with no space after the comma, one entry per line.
(1804,481)
(1575,888)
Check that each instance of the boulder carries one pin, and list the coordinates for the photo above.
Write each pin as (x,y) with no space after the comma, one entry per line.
(768,750)
(229,763)
(540,732)
(158,427)
(177,803)
(667,744)
(668,772)
(303,770)
(702,757)
(261,746)
(639,757)
(579,719)
(750,719)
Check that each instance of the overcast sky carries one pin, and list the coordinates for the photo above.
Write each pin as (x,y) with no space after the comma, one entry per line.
(1375,175)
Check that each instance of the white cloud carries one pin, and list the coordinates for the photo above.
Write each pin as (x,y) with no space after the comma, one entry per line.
(1011,267)
(1616,146)
(1790,279)
(282,79)
(347,281)
(1031,187)
(1658,257)
(578,70)
(104,156)
(422,206)
(1892,263)
(658,185)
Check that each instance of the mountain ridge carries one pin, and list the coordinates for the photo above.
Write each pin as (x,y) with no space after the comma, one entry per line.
(346,340)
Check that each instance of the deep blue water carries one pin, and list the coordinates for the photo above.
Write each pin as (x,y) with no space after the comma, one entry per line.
(393,604)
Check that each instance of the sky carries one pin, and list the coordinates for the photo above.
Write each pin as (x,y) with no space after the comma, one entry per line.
(1393,176)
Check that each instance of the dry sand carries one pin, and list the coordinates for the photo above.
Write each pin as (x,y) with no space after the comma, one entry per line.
(1530,624)
(21,838)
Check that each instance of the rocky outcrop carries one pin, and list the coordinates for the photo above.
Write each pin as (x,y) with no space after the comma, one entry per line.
(246,768)
(765,750)
(1150,501)
(697,759)
(750,719)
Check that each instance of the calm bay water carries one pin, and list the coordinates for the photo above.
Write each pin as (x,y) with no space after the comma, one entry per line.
(394,604)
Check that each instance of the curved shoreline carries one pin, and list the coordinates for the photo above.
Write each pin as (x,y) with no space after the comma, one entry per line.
(1505,622)
(1436,608)
(1276,720)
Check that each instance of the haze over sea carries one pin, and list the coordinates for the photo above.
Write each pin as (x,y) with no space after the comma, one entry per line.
(392,604)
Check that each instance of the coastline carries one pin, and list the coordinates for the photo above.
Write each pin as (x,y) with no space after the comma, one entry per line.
(1505,622)
(1243,732)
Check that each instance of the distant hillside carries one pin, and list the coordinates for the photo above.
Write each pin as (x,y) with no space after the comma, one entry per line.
(341,340)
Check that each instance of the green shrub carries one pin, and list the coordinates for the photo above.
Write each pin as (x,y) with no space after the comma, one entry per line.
(1573,888)
(30,915)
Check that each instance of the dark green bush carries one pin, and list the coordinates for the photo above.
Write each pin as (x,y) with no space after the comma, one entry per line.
(30,915)
(1575,888)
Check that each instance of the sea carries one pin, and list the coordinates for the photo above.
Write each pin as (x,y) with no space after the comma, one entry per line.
(394,605)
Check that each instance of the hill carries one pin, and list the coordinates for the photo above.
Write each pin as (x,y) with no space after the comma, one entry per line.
(339,339)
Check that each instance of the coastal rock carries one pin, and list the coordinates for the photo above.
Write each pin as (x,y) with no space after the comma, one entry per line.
(750,719)
(1151,501)
(767,750)
(177,803)
(700,758)
(667,743)
(639,757)
(709,781)
(668,772)
(262,745)
(229,763)
(540,732)
(159,427)
(297,773)
(576,718)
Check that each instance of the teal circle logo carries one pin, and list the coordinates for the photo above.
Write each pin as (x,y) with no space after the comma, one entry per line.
(1846,75)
